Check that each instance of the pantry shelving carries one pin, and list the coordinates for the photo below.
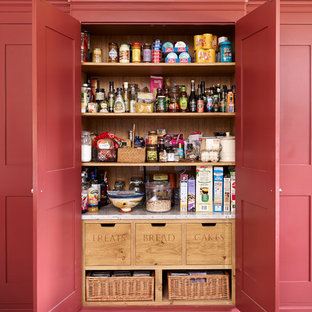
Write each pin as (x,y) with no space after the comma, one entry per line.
(157,164)
(166,69)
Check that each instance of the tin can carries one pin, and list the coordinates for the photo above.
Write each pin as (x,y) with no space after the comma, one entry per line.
(84,46)
(214,42)
(97,55)
(207,41)
(161,104)
(211,56)
(198,42)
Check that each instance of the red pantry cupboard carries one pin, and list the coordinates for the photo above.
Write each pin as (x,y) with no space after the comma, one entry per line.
(57,243)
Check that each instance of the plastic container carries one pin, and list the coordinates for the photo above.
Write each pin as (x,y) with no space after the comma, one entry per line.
(158,196)
(226,51)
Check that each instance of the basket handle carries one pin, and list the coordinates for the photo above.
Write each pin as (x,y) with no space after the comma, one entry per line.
(209,224)
(108,224)
(158,224)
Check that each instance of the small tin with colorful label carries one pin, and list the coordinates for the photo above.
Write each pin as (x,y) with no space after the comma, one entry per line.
(211,56)
(198,42)
(97,55)
(207,41)
(161,104)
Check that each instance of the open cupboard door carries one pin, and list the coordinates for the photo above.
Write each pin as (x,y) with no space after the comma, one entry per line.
(257,156)
(56,139)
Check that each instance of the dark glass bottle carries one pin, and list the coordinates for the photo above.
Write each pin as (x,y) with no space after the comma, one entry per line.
(202,85)
(209,104)
(200,101)
(192,103)
(111,97)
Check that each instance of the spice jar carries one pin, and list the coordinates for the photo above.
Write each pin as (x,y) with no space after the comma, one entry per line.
(97,55)
(147,53)
(151,153)
(152,138)
(136,52)
(124,53)
(86,147)
(112,52)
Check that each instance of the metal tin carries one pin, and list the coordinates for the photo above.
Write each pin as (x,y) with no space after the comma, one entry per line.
(211,55)
(198,42)
(97,55)
(161,104)
(207,41)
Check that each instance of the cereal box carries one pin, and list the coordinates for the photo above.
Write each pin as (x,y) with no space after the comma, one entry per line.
(183,192)
(191,195)
(204,188)
(227,194)
(232,173)
(218,189)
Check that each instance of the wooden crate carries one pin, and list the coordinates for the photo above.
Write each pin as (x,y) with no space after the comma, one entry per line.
(199,287)
(209,243)
(159,243)
(131,155)
(132,288)
(107,243)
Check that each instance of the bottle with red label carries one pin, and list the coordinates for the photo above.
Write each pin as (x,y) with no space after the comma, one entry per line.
(200,101)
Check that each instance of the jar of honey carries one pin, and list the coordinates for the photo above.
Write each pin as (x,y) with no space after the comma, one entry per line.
(136,52)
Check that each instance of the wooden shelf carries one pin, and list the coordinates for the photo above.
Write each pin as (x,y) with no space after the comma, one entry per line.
(146,69)
(158,164)
(159,115)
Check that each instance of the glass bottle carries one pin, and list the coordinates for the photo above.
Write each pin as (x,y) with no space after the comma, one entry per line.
(202,85)
(84,192)
(103,187)
(111,97)
(183,99)
(86,146)
(216,103)
(192,99)
(132,100)
(125,96)
(209,105)
(119,106)
(162,152)
(101,100)
(223,100)
(167,99)
(200,101)
(93,195)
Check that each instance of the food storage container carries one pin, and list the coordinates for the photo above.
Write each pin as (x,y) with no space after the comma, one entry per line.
(158,196)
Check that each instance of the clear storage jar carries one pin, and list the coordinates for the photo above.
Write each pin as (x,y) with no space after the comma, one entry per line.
(86,146)
(158,196)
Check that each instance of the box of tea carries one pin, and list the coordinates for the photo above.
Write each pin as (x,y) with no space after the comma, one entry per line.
(204,188)
(218,189)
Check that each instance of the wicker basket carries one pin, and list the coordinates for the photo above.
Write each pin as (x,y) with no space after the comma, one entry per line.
(131,155)
(199,287)
(132,288)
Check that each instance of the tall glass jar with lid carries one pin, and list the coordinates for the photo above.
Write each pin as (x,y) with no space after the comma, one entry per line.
(86,146)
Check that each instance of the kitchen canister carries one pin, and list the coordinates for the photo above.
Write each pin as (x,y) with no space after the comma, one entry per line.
(227,148)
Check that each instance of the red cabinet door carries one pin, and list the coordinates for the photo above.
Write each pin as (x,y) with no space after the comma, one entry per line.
(56,139)
(257,134)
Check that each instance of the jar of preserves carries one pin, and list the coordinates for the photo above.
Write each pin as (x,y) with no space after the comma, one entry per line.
(97,55)
(152,138)
(174,100)
(151,153)
(112,52)
(147,53)
(136,52)
(124,53)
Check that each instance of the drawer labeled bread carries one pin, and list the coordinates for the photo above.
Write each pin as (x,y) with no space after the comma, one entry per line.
(158,243)
(107,243)
(209,243)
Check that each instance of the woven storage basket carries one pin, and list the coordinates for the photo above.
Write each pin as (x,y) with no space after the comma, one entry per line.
(131,155)
(132,288)
(199,287)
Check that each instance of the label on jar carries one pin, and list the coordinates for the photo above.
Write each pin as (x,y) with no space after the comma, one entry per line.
(152,139)
(151,155)
(112,54)
(183,103)
(124,56)
(99,96)
(92,107)
(171,157)
(136,55)
(209,105)
(104,144)
(147,55)
(103,107)
(163,156)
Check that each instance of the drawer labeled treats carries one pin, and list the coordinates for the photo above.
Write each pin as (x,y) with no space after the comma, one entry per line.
(158,243)
(107,244)
(209,243)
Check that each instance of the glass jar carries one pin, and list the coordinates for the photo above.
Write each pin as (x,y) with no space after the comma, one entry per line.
(97,55)
(136,184)
(174,100)
(151,153)
(158,196)
(86,146)
(147,53)
(119,185)
(136,52)
(112,52)
(152,138)
(124,53)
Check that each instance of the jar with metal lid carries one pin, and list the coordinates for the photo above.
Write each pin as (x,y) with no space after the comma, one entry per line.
(151,153)
(86,146)
(161,104)
(174,100)
(136,52)
(152,138)
(119,185)
(147,53)
(112,52)
(99,94)
(124,53)
(97,55)
(136,184)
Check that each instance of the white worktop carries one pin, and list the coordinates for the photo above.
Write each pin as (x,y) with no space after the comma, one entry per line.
(139,213)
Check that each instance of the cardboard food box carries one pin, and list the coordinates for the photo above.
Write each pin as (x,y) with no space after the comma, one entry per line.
(191,195)
(204,188)
(217,189)
(232,173)
(227,194)
(183,192)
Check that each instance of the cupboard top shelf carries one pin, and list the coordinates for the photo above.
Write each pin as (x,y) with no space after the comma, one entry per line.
(158,115)
(146,69)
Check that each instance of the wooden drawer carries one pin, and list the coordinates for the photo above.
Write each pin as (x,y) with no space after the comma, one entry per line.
(209,243)
(107,244)
(158,243)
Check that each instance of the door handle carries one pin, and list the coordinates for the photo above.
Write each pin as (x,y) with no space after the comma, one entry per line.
(32,191)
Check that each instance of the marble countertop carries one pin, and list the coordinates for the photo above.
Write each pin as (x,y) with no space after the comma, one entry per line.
(139,213)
